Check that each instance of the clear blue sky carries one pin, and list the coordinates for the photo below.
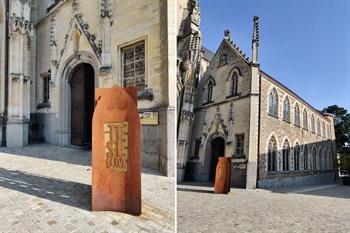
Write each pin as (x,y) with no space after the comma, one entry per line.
(305,44)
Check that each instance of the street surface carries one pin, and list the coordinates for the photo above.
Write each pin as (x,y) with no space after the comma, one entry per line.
(45,188)
(323,208)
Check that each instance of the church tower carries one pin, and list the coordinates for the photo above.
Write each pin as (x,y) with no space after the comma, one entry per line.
(188,69)
(20,36)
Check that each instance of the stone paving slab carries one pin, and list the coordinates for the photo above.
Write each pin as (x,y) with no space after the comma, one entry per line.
(308,209)
(45,188)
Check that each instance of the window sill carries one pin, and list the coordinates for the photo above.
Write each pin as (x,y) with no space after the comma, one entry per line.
(286,121)
(44,105)
(232,96)
(271,115)
(145,94)
(207,103)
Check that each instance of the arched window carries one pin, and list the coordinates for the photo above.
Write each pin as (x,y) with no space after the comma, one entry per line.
(306,158)
(297,157)
(312,123)
(330,160)
(325,160)
(314,159)
(272,155)
(273,103)
(234,84)
(318,127)
(296,115)
(209,96)
(286,110)
(223,60)
(305,122)
(285,156)
(320,165)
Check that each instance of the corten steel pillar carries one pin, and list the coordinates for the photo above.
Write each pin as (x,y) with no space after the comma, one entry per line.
(116,163)
(222,176)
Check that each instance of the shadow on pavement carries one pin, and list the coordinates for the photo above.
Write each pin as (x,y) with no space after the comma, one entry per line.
(195,190)
(50,152)
(197,187)
(62,191)
(197,184)
(334,190)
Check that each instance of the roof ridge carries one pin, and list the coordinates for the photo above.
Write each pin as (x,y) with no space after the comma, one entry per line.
(227,37)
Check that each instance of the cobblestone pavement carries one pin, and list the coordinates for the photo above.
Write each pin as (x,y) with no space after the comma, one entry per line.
(308,209)
(48,189)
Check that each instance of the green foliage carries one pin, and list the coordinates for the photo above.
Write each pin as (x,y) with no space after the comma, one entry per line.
(341,126)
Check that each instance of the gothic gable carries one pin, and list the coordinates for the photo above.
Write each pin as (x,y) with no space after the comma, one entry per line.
(228,59)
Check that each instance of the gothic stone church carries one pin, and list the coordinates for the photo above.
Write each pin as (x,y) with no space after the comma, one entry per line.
(275,138)
(54,53)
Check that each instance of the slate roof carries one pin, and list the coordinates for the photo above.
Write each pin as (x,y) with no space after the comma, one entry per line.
(207,54)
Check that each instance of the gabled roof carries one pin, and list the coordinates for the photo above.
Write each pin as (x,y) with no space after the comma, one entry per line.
(234,48)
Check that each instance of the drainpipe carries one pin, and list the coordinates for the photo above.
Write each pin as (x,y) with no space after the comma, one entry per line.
(5,113)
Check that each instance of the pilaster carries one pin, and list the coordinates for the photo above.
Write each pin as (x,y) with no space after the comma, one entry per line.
(20,35)
(252,165)
(106,23)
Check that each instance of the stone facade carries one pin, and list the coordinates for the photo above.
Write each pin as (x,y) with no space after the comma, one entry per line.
(232,118)
(303,138)
(61,35)
(188,70)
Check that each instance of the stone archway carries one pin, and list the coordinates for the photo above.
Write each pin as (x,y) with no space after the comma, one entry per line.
(64,77)
(82,104)
(217,149)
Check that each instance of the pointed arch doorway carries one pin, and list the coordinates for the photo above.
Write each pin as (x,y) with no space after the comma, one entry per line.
(82,83)
(217,150)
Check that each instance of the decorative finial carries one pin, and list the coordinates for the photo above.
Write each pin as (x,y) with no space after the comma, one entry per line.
(255,41)
(227,34)
(256,37)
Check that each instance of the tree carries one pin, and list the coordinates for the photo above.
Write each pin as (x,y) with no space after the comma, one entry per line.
(341,126)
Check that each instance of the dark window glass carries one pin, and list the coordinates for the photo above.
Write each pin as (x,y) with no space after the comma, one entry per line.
(240,145)
(46,89)
(285,156)
(272,155)
(306,158)
(297,158)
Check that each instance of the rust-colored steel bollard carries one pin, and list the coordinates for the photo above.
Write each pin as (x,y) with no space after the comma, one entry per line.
(228,178)
(116,163)
(222,176)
